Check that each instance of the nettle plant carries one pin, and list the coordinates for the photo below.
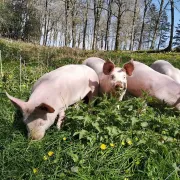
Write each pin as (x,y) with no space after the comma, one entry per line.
(137,129)
(105,119)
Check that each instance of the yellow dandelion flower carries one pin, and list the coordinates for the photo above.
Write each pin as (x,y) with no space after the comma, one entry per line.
(112,145)
(35,170)
(129,142)
(64,138)
(123,143)
(126,178)
(45,158)
(50,153)
(103,146)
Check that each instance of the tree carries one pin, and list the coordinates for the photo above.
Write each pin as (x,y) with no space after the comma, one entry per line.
(121,9)
(85,24)
(133,26)
(164,27)
(109,14)
(74,13)
(150,24)
(169,48)
(98,4)
(146,5)
(45,23)
(156,25)
(66,5)
(177,36)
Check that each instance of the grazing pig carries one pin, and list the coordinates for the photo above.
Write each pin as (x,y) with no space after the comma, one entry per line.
(154,83)
(165,67)
(52,94)
(111,79)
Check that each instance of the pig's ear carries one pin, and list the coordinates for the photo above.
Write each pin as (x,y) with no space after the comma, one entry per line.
(108,67)
(18,103)
(45,107)
(129,67)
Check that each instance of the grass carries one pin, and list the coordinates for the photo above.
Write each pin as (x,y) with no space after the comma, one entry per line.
(144,133)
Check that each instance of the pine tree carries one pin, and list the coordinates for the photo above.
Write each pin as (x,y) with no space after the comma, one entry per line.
(164,28)
(177,36)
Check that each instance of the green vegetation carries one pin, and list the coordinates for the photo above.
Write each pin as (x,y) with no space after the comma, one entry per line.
(141,137)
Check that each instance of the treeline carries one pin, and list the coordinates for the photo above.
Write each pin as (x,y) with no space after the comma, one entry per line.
(91,24)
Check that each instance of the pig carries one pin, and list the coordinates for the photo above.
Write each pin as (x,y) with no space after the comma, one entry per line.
(155,84)
(112,80)
(165,67)
(52,94)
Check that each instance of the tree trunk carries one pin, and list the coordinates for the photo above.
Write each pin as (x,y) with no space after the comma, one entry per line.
(97,13)
(66,21)
(95,27)
(45,24)
(102,41)
(159,40)
(73,33)
(85,26)
(79,40)
(157,25)
(47,28)
(73,15)
(121,9)
(108,26)
(118,30)
(142,27)
(133,25)
(169,48)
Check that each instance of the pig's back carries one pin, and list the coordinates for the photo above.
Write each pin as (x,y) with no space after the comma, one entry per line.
(70,82)
(146,79)
(65,74)
(166,68)
(163,67)
(95,63)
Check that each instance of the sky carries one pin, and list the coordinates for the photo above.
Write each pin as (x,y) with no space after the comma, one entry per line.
(176,10)
(177,16)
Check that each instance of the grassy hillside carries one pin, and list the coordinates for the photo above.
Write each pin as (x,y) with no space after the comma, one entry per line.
(137,138)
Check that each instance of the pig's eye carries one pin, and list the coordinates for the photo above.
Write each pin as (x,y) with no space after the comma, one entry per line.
(112,77)
(124,77)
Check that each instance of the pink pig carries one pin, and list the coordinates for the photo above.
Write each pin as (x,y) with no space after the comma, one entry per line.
(52,94)
(165,67)
(111,79)
(155,84)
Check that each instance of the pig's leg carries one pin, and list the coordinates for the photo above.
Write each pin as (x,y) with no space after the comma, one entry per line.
(60,119)
(93,93)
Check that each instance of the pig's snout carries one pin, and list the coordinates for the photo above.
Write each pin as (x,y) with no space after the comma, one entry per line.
(120,86)
(36,135)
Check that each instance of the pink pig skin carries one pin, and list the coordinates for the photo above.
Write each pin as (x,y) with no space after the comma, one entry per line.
(111,79)
(53,93)
(165,67)
(155,84)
